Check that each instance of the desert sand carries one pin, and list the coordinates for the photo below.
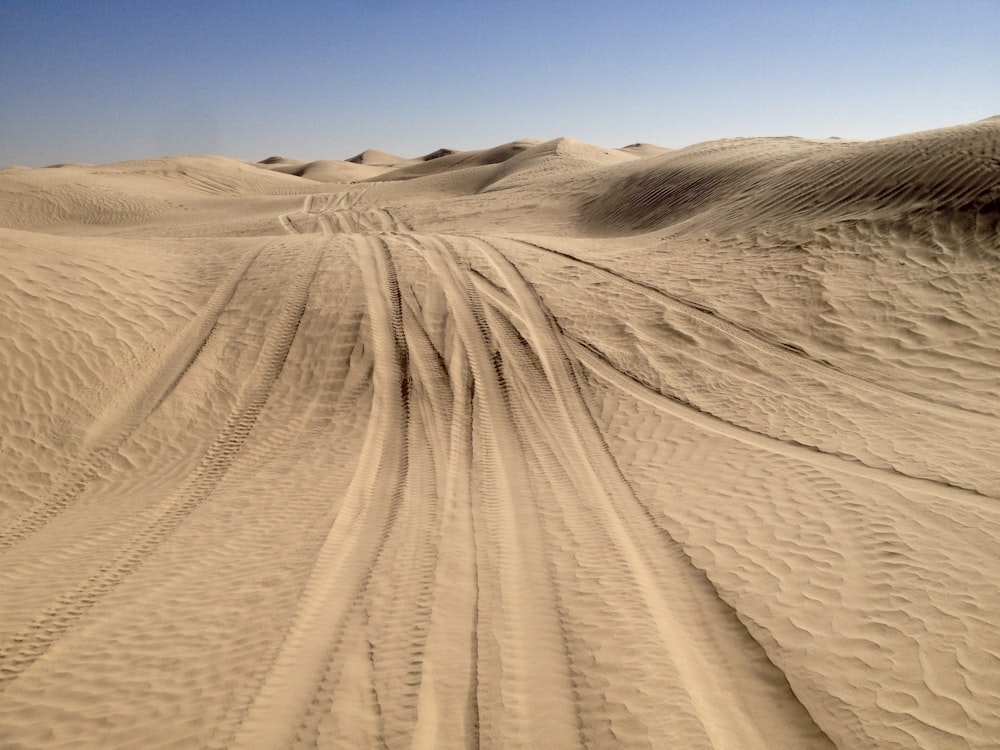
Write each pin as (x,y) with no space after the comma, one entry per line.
(545,445)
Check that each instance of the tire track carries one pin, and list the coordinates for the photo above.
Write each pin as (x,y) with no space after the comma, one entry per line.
(400,596)
(524,693)
(830,411)
(598,364)
(132,403)
(308,403)
(391,613)
(397,598)
(594,614)
(776,350)
(160,523)
(345,560)
(664,404)
(448,709)
(365,221)
(613,531)
(338,213)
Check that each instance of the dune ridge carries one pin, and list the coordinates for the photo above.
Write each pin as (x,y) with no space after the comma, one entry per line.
(543,445)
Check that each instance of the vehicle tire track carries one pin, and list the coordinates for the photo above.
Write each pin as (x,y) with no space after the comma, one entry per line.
(364,221)
(130,405)
(446,707)
(524,691)
(337,213)
(596,363)
(613,531)
(345,560)
(811,395)
(160,523)
(286,219)
(581,560)
(397,598)
(400,596)
(767,346)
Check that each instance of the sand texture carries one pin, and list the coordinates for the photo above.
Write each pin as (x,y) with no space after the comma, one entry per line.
(546,445)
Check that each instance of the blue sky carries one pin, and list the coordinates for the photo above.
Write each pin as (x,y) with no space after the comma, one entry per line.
(105,81)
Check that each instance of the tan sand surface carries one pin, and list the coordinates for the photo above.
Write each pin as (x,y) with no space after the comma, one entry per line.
(546,445)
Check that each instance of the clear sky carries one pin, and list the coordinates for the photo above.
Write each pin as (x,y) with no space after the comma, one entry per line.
(83,80)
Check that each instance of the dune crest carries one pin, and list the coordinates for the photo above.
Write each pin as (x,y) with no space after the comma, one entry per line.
(540,445)
(374,157)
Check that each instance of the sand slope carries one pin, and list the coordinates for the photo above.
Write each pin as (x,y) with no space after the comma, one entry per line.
(546,445)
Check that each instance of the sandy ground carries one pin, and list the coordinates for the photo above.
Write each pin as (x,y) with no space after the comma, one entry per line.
(546,445)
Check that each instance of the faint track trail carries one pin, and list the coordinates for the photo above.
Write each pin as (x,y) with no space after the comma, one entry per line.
(129,406)
(340,213)
(390,617)
(598,362)
(345,560)
(479,435)
(606,525)
(482,467)
(486,548)
(601,367)
(160,522)
(542,473)
(879,426)
(520,653)
(771,348)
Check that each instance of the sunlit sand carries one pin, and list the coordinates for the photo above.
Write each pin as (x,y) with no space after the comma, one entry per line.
(547,445)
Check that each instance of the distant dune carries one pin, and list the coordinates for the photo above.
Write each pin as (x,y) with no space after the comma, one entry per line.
(545,445)
(326,170)
(374,157)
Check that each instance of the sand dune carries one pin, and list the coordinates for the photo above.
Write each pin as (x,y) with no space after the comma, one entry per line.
(324,170)
(374,157)
(545,445)
(460,160)
(644,150)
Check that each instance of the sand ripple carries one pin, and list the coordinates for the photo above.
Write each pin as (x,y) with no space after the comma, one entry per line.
(545,445)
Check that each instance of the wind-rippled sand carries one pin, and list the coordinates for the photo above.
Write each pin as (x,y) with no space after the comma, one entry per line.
(543,446)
